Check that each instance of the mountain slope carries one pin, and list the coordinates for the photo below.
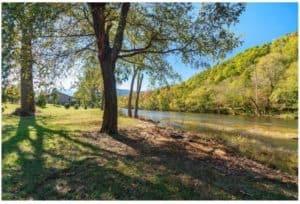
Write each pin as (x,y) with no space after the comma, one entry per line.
(122,92)
(261,80)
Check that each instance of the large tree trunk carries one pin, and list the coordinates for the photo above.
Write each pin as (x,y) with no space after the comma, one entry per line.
(107,57)
(110,115)
(130,93)
(102,101)
(102,97)
(27,93)
(139,85)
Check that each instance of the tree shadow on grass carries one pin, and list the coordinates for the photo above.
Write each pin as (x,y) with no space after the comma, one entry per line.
(27,144)
(87,178)
(96,176)
(90,180)
(28,166)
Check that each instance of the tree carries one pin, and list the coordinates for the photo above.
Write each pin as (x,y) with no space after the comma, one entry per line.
(285,94)
(268,71)
(138,90)
(155,67)
(23,23)
(90,86)
(9,42)
(107,57)
(129,107)
(11,94)
(166,28)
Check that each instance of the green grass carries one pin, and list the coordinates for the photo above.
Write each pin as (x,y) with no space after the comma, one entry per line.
(49,157)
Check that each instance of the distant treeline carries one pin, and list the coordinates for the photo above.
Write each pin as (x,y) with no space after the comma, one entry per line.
(259,81)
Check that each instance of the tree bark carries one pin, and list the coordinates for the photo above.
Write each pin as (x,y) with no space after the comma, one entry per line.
(130,93)
(107,57)
(110,115)
(139,85)
(27,93)
(102,100)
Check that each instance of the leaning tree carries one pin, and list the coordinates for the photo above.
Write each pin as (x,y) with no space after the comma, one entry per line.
(194,34)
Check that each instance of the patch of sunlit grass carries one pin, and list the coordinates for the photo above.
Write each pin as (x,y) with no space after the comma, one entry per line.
(48,157)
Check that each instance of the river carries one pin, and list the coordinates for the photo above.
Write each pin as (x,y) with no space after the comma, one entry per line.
(272,128)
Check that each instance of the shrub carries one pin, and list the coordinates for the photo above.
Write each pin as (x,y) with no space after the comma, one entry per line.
(76,106)
(67,105)
(41,101)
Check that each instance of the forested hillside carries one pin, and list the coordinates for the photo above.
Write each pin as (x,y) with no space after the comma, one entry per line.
(259,81)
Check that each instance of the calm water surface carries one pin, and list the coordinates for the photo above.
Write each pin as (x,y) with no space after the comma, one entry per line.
(272,126)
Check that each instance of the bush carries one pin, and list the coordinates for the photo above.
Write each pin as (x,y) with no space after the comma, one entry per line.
(41,101)
(76,106)
(67,105)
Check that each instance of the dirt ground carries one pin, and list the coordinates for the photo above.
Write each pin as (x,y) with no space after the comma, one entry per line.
(190,153)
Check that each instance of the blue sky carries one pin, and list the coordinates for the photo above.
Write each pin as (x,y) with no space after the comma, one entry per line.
(260,23)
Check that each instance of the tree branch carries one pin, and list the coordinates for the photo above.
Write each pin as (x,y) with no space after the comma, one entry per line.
(68,53)
(135,63)
(85,13)
(97,10)
(181,49)
(67,36)
(120,31)
(142,49)
(155,52)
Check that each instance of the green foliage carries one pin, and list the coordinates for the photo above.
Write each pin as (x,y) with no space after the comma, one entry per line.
(90,86)
(21,22)
(11,94)
(285,94)
(41,100)
(260,80)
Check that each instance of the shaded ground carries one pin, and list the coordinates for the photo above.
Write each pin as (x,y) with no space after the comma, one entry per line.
(41,161)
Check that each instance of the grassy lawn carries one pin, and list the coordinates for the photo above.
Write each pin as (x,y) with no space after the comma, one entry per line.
(58,154)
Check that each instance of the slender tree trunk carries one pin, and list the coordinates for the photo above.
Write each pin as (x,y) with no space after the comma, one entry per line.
(130,93)
(257,111)
(218,109)
(256,87)
(139,85)
(27,93)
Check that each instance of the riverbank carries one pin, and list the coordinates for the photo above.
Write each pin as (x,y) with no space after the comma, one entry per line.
(59,154)
(276,150)
(273,142)
(283,115)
